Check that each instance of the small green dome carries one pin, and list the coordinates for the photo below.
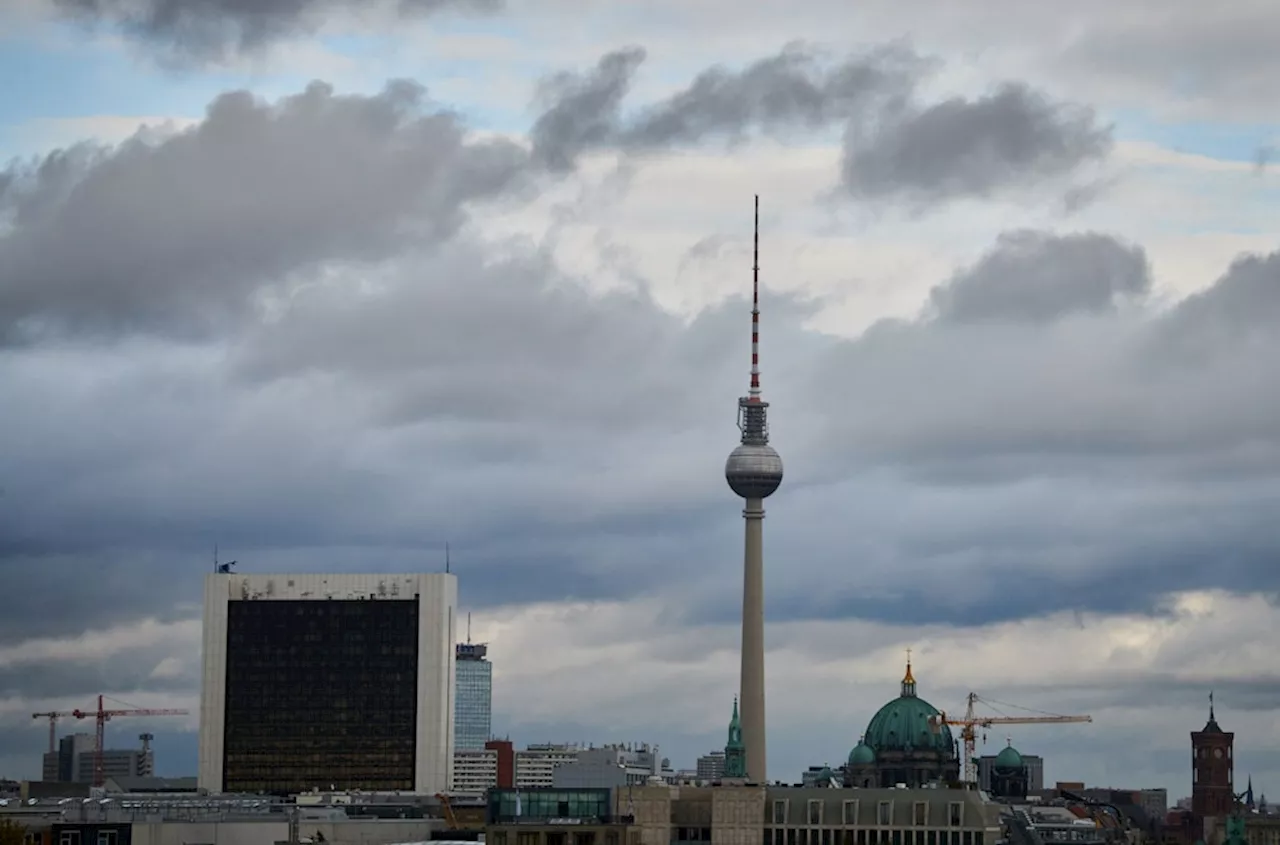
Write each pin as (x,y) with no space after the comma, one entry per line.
(862,755)
(1009,758)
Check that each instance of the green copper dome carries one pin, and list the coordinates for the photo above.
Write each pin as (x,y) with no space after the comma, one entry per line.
(904,724)
(1009,758)
(862,754)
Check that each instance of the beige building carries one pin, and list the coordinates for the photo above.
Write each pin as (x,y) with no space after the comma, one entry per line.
(1262,830)
(743,815)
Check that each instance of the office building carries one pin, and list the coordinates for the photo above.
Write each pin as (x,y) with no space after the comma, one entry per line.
(743,815)
(327,681)
(74,759)
(613,765)
(473,701)
(711,766)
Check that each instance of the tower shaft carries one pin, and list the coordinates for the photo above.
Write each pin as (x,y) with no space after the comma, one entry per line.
(751,696)
(754,471)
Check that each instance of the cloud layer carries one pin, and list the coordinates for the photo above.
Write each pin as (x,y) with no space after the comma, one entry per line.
(216,29)
(895,147)
(337,330)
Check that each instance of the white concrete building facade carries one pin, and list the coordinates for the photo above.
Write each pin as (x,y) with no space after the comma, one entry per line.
(360,623)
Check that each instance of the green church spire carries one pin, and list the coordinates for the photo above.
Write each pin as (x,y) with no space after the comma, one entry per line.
(735,753)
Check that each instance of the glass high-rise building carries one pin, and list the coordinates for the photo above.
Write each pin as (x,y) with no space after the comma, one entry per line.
(319,681)
(473,697)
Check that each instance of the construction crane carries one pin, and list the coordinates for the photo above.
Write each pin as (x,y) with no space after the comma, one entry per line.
(101,716)
(972,721)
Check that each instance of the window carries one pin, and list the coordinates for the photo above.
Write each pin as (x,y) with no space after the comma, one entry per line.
(815,812)
(849,813)
(955,813)
(780,811)
(884,813)
(106,837)
(69,837)
(920,814)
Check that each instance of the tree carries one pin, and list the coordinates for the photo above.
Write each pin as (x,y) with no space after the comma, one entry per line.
(11,833)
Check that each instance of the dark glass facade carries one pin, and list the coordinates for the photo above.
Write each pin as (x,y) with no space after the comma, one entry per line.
(531,805)
(321,694)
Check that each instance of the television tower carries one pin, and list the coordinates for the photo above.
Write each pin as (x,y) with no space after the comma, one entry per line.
(753,471)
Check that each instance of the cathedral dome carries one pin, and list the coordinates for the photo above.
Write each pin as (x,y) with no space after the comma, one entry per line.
(1009,759)
(862,754)
(905,724)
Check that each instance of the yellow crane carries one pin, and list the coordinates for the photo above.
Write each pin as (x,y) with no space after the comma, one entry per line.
(971,721)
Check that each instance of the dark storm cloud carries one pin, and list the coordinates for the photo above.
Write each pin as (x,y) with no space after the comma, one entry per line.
(1036,277)
(1046,453)
(972,148)
(582,109)
(212,29)
(792,90)
(895,146)
(181,234)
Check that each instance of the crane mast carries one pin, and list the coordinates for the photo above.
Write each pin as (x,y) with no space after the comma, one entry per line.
(971,721)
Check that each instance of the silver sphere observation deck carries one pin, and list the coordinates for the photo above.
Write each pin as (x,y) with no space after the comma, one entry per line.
(753,470)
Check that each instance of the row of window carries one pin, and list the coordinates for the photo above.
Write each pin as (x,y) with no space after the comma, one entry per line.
(865,836)
(331,758)
(72,837)
(884,813)
(330,607)
(585,837)
(791,836)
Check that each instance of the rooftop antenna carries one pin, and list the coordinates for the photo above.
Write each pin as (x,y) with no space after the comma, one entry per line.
(446,557)
(221,568)
(468,627)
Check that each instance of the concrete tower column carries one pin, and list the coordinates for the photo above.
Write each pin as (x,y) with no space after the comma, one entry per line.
(752,693)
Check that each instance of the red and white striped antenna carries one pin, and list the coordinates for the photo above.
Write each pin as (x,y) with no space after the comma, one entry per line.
(754,393)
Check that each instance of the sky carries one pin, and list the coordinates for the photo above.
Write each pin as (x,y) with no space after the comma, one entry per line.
(331,283)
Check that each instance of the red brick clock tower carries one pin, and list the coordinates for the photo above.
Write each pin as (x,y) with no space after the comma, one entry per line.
(1212,765)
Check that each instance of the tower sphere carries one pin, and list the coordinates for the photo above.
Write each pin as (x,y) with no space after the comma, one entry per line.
(753,470)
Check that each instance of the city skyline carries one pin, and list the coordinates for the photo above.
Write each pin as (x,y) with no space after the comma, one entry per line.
(366,284)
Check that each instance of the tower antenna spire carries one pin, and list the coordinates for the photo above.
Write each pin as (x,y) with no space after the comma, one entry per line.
(754,392)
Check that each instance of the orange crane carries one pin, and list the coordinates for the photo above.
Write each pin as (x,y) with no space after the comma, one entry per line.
(101,716)
(971,721)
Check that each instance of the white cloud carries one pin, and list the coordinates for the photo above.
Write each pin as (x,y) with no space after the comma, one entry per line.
(96,646)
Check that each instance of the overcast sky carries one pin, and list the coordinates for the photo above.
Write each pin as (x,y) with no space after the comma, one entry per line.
(331,283)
